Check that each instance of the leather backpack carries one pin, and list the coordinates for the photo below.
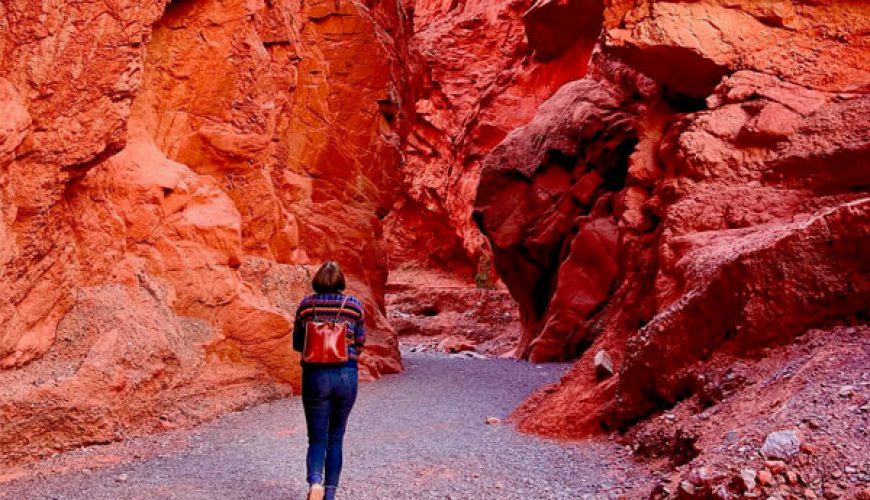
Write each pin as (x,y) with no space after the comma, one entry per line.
(326,341)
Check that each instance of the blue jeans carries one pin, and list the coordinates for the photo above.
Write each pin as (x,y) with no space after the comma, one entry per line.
(328,394)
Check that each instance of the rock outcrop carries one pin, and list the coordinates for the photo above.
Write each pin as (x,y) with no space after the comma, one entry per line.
(170,172)
(703,189)
(690,46)
(697,207)
(424,308)
(479,77)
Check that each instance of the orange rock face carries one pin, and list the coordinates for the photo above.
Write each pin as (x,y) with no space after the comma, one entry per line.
(170,174)
(689,46)
(703,189)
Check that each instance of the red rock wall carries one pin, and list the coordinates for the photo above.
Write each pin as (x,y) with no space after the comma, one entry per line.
(477,78)
(703,189)
(169,174)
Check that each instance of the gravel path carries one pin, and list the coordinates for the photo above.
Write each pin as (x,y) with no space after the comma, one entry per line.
(417,435)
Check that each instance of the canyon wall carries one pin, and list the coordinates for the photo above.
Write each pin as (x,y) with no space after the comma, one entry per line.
(703,189)
(478,78)
(170,174)
(670,182)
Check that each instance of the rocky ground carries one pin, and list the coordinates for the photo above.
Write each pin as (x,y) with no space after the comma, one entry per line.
(420,434)
(788,423)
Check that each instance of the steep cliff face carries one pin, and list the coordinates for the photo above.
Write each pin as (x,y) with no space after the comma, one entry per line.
(704,189)
(479,77)
(170,172)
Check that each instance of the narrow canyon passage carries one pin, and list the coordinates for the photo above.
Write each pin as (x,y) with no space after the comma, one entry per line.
(673,196)
(419,434)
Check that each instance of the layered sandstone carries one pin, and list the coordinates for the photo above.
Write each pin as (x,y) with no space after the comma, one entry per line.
(171,172)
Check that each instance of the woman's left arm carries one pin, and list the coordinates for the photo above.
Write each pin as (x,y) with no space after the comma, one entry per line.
(298,330)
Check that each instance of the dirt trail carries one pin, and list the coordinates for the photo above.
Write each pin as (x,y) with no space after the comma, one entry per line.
(418,435)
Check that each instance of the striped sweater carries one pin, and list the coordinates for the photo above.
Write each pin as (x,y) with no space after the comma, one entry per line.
(327,306)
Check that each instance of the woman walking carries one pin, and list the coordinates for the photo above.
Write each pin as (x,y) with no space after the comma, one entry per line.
(330,333)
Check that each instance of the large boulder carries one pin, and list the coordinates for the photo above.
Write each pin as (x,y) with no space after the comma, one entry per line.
(546,203)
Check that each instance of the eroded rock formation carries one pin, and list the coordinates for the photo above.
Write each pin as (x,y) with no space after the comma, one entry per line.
(703,189)
(479,78)
(170,171)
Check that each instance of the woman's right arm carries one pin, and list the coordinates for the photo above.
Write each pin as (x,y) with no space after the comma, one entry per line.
(359,338)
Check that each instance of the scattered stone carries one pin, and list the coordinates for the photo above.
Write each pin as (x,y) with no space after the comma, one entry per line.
(455,343)
(687,488)
(810,494)
(863,493)
(703,476)
(730,437)
(832,491)
(764,477)
(660,492)
(781,445)
(809,449)
(791,477)
(492,420)
(846,391)
(850,470)
(121,478)
(469,355)
(721,493)
(745,481)
(603,365)
(775,466)
(837,474)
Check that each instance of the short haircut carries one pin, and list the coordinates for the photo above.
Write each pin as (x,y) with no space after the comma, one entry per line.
(328,279)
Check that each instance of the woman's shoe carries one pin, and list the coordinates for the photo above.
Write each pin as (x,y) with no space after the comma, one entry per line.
(315,492)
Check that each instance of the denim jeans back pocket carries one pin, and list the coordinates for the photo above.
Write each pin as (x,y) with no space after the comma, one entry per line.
(315,384)
(349,381)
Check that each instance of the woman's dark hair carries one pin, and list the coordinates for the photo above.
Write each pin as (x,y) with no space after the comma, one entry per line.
(328,279)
